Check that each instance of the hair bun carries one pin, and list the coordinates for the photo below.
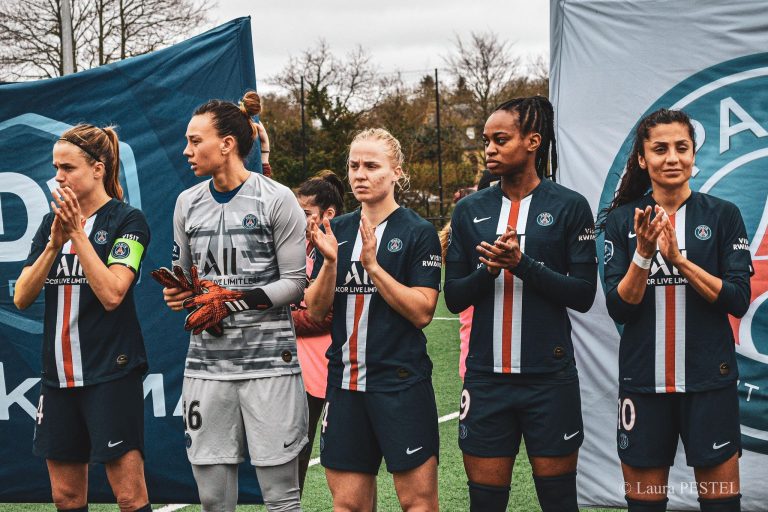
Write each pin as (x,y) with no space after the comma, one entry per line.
(251,103)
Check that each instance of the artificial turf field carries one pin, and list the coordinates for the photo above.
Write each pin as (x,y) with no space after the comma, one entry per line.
(443,344)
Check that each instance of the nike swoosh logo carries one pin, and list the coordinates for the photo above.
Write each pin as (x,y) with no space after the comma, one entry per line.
(408,451)
(632,235)
(112,445)
(567,437)
(342,243)
(716,446)
(286,445)
(476,220)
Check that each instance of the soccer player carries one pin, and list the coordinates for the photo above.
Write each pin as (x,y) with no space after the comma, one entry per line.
(677,263)
(244,233)
(87,255)
(379,268)
(521,252)
(321,197)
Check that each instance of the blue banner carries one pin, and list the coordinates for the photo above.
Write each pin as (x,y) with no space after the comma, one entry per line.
(151,99)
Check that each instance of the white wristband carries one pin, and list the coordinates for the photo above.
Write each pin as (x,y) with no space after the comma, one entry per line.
(644,263)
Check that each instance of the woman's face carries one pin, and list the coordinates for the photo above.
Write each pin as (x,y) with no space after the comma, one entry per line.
(74,170)
(372,174)
(668,155)
(313,212)
(205,151)
(507,151)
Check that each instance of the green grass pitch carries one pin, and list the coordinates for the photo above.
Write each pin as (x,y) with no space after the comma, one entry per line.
(443,336)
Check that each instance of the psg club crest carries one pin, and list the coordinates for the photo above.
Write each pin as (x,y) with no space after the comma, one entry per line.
(120,250)
(730,119)
(703,232)
(394,245)
(250,221)
(545,219)
(100,237)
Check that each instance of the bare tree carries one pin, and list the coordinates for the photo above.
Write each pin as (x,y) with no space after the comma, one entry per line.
(338,90)
(104,31)
(483,66)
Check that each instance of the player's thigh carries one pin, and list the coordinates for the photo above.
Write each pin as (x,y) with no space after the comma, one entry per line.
(488,424)
(114,413)
(348,443)
(213,422)
(417,488)
(275,416)
(710,426)
(551,421)
(351,491)
(405,424)
(61,433)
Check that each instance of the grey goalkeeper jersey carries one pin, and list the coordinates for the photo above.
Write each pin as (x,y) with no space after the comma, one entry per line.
(255,240)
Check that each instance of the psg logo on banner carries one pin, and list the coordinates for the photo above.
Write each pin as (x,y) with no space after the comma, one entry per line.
(730,117)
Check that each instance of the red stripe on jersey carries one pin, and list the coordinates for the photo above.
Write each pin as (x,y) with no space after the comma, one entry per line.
(354,365)
(66,342)
(669,332)
(509,286)
(669,335)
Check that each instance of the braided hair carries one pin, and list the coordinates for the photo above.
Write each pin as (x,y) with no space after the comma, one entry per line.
(535,114)
(635,183)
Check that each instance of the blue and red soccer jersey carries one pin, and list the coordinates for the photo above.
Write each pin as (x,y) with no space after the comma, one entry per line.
(83,344)
(374,348)
(674,340)
(520,322)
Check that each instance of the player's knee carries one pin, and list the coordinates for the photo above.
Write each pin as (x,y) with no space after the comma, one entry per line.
(557,493)
(67,498)
(634,505)
(132,502)
(280,487)
(729,504)
(488,498)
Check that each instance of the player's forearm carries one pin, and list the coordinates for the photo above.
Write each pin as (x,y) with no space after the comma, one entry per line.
(463,289)
(705,284)
(575,290)
(631,288)
(109,288)
(319,295)
(409,302)
(32,278)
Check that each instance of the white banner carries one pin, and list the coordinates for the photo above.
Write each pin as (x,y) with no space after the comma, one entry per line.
(611,63)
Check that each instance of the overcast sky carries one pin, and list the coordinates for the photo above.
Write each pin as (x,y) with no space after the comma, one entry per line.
(403,35)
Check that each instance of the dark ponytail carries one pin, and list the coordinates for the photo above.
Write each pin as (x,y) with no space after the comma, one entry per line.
(635,183)
(326,188)
(235,120)
(535,114)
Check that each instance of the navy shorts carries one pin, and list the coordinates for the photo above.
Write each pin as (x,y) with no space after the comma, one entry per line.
(97,423)
(358,428)
(650,424)
(496,411)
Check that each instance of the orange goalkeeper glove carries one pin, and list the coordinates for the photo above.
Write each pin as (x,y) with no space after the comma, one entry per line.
(177,279)
(214,303)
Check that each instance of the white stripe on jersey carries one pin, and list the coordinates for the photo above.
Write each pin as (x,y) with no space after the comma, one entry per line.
(672,311)
(515,341)
(354,375)
(70,319)
(58,352)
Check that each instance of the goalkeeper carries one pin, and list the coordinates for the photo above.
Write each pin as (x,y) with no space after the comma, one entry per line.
(244,235)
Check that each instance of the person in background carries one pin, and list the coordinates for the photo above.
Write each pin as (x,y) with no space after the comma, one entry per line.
(321,197)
